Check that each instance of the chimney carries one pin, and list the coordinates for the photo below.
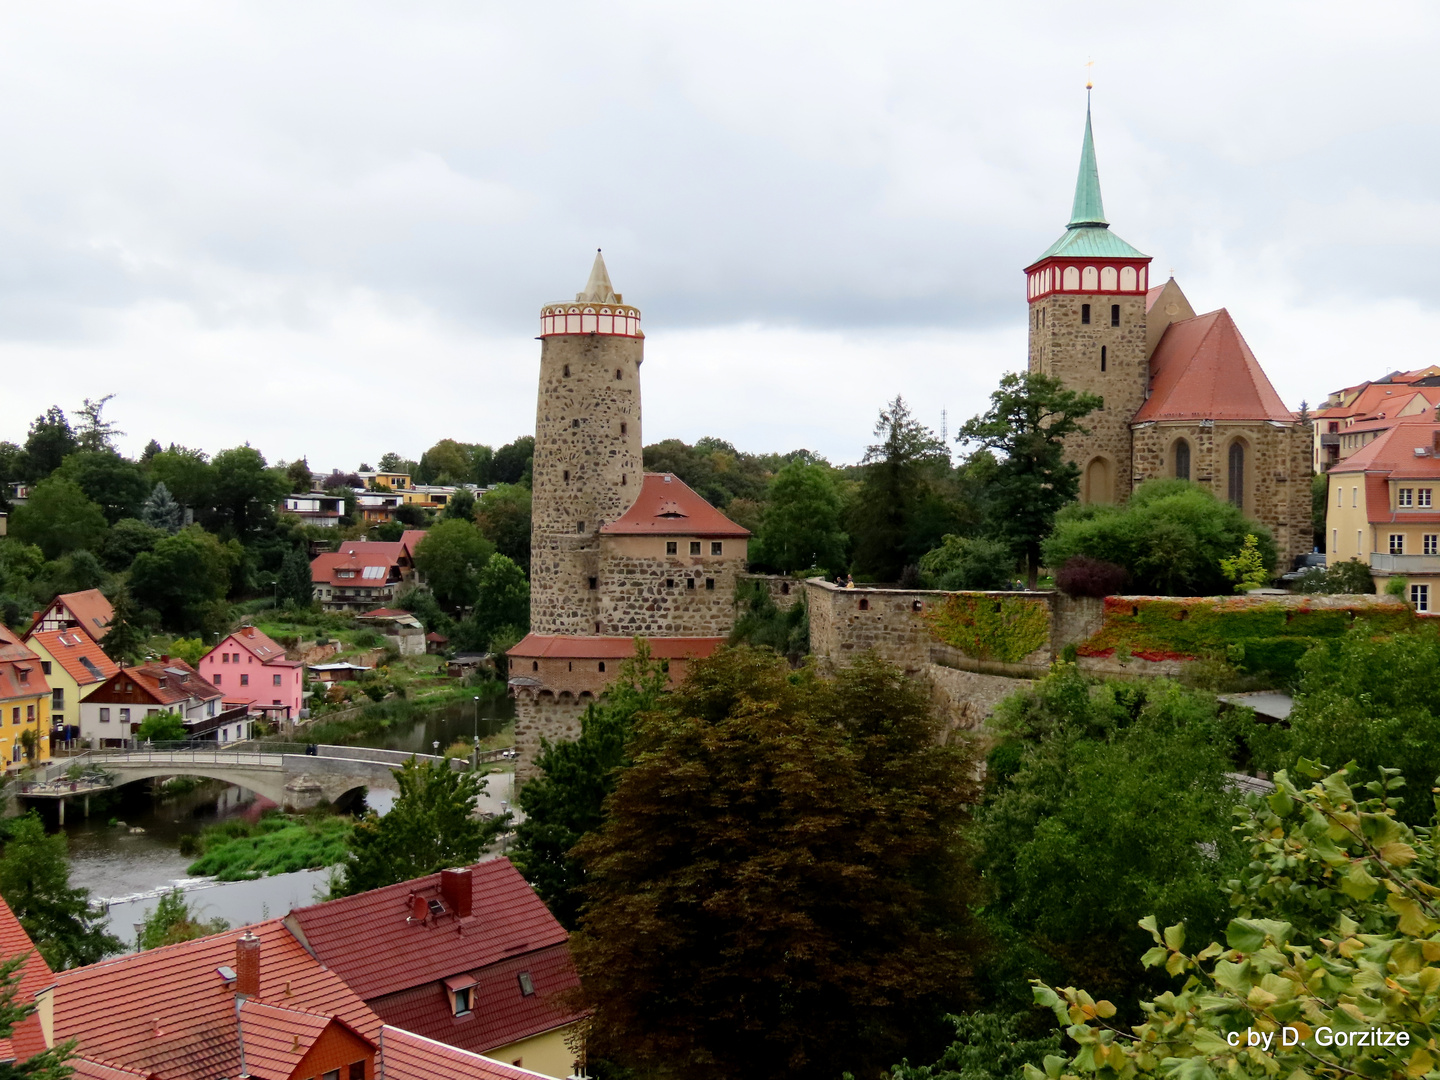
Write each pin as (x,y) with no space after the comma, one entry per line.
(1435,443)
(164,658)
(419,908)
(455,890)
(247,965)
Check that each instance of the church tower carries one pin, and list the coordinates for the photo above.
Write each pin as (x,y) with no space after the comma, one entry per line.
(1087,328)
(588,467)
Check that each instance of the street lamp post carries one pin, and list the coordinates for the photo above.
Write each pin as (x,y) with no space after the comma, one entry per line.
(476,763)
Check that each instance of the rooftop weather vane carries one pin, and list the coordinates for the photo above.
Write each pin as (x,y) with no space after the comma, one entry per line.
(1089,75)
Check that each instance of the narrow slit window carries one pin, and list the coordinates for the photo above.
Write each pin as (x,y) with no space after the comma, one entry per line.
(1085,314)
(624,427)
(617,373)
(566,371)
(594,583)
(1102,358)
(579,526)
(1114,314)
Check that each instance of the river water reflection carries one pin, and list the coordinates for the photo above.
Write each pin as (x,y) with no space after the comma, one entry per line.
(126,862)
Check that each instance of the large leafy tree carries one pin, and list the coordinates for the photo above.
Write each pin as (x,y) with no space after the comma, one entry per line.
(447,462)
(247,491)
(451,556)
(58,518)
(512,462)
(502,605)
(778,889)
(187,474)
(1334,932)
(432,825)
(117,486)
(566,801)
(801,525)
(897,469)
(13,467)
(51,441)
(502,515)
(1030,416)
(1170,535)
(1080,773)
(185,579)
(35,882)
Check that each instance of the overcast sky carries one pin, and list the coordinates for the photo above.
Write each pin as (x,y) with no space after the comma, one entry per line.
(328,228)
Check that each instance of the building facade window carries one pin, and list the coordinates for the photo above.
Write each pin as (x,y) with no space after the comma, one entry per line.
(1422,496)
(104,715)
(1235,491)
(672,547)
(1397,543)
(1182,460)
(244,680)
(710,584)
(1102,357)
(1335,541)
(1432,543)
(1085,314)
(716,547)
(1114,314)
(275,680)
(694,547)
(1405,497)
(218,678)
(1354,497)
(1420,597)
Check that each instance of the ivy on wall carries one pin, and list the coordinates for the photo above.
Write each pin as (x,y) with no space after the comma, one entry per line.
(988,627)
(1258,636)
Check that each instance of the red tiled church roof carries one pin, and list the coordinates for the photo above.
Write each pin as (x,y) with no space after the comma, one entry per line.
(666,506)
(1203,370)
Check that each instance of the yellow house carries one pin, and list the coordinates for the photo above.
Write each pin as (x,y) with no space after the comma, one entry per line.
(24,704)
(395,481)
(74,664)
(1383,509)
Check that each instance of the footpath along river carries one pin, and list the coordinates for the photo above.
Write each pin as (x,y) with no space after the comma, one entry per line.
(127,868)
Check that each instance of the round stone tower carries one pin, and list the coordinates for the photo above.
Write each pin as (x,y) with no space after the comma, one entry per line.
(588,467)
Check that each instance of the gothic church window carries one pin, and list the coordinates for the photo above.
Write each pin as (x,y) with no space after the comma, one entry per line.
(1085,314)
(1236,487)
(1182,460)
(1114,314)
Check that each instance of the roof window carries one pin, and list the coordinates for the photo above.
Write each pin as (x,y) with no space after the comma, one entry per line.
(527,985)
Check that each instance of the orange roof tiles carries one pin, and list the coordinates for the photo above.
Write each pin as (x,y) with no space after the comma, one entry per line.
(167,682)
(86,1069)
(277,1039)
(79,654)
(167,1011)
(1152,294)
(27,1039)
(1394,451)
(11,647)
(383,568)
(1203,370)
(666,506)
(89,610)
(412,1057)
(20,672)
(605,648)
(258,643)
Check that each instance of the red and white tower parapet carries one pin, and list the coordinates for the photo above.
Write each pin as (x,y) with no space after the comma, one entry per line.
(597,310)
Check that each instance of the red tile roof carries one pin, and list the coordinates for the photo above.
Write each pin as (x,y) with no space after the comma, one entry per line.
(667,507)
(86,1069)
(89,609)
(371,941)
(167,1010)
(500,1012)
(1203,370)
(11,647)
(1394,451)
(606,648)
(409,1056)
(256,642)
(27,1039)
(277,1039)
(78,653)
(325,568)
(410,540)
(181,682)
(383,613)
(20,673)
(1152,294)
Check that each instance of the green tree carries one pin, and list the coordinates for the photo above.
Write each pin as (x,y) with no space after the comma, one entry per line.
(1319,507)
(124,642)
(512,462)
(247,491)
(1350,576)
(294,584)
(161,511)
(429,827)
(892,491)
(173,920)
(761,621)
(185,579)
(191,650)
(300,477)
(447,462)
(801,525)
(1246,568)
(96,434)
(49,1064)
(117,486)
(35,882)
(392,462)
(13,468)
(151,449)
(566,801)
(75,572)
(778,888)
(1335,916)
(987,1046)
(58,518)
(451,556)
(187,474)
(1030,416)
(1171,536)
(51,441)
(162,727)
(503,599)
(964,562)
(461,506)
(126,540)
(502,515)
(1080,773)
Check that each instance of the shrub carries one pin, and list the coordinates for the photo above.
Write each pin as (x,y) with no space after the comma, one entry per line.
(1395,587)
(1083,576)
(964,562)
(1351,577)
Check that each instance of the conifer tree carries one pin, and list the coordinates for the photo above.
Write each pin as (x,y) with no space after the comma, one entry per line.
(294,584)
(46,1065)
(124,641)
(161,511)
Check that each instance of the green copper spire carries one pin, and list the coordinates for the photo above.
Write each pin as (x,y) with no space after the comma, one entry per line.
(1088,209)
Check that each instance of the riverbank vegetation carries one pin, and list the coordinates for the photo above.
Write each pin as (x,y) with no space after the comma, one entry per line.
(277,843)
(173,919)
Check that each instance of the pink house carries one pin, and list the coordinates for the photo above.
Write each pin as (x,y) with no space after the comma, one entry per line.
(251,669)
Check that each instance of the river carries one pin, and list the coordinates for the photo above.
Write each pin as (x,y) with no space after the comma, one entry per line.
(127,850)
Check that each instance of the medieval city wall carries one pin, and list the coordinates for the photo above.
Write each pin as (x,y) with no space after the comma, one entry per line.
(643,591)
(555,717)
(785,591)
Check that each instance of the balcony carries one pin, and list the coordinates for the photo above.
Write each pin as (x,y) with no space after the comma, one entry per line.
(1327,439)
(1404,564)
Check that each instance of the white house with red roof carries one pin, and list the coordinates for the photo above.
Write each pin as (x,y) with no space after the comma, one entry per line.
(365,574)
(250,669)
(470,958)
(111,714)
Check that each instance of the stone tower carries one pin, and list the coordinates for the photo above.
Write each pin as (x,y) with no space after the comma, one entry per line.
(1087,327)
(587,468)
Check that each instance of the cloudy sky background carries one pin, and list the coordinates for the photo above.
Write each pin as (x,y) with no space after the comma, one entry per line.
(327,228)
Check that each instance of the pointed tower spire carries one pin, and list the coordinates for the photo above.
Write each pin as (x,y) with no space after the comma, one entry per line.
(1088,208)
(598,289)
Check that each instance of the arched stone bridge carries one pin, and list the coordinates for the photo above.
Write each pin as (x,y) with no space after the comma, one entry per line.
(286,775)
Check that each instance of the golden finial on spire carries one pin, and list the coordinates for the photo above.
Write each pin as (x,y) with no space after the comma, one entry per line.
(1089,75)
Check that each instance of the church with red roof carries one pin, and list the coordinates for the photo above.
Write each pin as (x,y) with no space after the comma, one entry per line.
(1184,395)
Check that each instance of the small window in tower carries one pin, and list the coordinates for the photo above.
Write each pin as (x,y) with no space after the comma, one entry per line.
(567,476)
(570,666)
(575,423)
(579,526)
(710,584)
(1114,314)
(671,546)
(669,583)
(624,427)
(623,481)
(864,603)
(689,583)
(1085,314)
(534,665)
(602,665)
(1102,358)
(716,547)
(565,371)
(594,583)
(694,547)
(617,373)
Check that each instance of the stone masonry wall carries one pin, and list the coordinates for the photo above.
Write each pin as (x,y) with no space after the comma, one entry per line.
(967,698)
(587,469)
(644,591)
(785,591)
(1063,346)
(547,716)
(1277,472)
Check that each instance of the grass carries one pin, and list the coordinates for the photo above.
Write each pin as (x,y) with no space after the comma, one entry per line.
(276,844)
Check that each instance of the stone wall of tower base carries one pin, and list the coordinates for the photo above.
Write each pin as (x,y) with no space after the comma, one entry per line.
(561,601)
(551,716)
(666,596)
